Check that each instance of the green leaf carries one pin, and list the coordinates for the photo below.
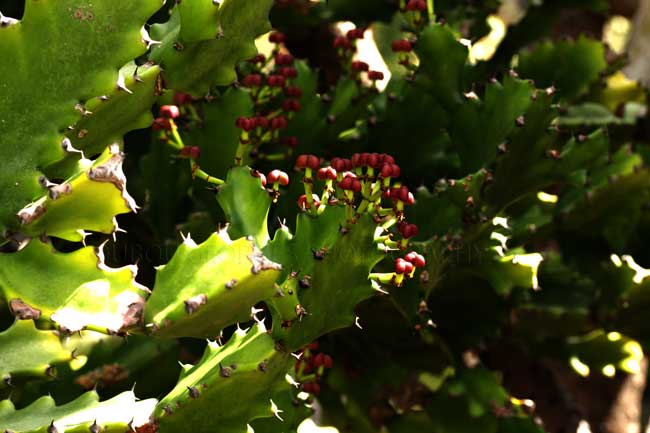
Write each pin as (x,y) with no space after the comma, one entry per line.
(40,91)
(246,205)
(108,117)
(229,387)
(28,352)
(442,60)
(206,287)
(570,66)
(606,352)
(89,200)
(338,282)
(217,135)
(478,127)
(203,41)
(75,290)
(294,411)
(112,416)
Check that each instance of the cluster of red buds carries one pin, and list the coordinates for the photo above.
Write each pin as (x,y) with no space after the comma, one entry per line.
(358,67)
(275,97)
(403,47)
(417,14)
(360,183)
(416,5)
(365,183)
(166,123)
(403,268)
(311,366)
(275,179)
(166,117)
(347,43)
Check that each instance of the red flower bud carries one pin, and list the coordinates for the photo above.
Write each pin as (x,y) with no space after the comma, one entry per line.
(416,5)
(277,37)
(328,362)
(373,160)
(402,194)
(415,258)
(303,204)
(252,80)
(293,92)
(161,123)
(290,141)
(342,42)
(261,176)
(313,345)
(170,111)
(326,173)
(311,387)
(360,66)
(279,122)
(387,159)
(403,267)
(307,161)
(375,75)
(403,45)
(389,170)
(318,360)
(289,72)
(350,183)
(341,164)
(193,152)
(261,122)
(355,34)
(283,59)
(358,159)
(181,98)
(260,58)
(279,176)
(408,230)
(291,105)
(245,123)
(276,81)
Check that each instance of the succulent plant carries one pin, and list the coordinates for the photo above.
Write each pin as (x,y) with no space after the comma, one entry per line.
(301,225)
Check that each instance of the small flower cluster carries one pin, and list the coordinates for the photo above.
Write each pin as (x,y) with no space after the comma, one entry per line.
(360,183)
(346,47)
(415,11)
(403,47)
(166,123)
(275,178)
(311,366)
(276,99)
(367,183)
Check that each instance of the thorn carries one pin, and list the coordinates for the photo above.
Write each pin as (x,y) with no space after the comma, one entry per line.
(225,371)
(130,425)
(356,322)
(95,428)
(146,39)
(52,428)
(262,366)
(194,393)
(254,312)
(136,77)
(121,85)
(276,410)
